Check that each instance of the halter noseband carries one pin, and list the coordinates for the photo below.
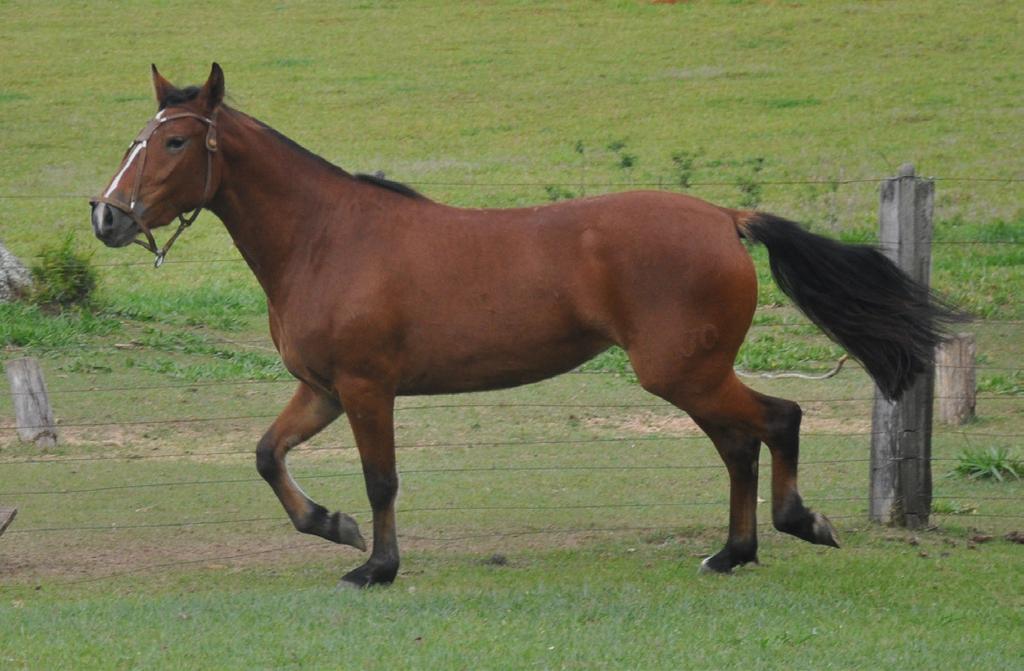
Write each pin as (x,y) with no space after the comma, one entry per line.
(139,145)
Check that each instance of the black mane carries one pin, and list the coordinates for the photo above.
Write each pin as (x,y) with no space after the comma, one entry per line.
(189,93)
(375,180)
(388,184)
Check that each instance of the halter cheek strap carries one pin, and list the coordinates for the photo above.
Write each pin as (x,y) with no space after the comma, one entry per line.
(137,151)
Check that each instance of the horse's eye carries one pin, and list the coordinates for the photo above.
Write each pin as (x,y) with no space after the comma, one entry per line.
(176,143)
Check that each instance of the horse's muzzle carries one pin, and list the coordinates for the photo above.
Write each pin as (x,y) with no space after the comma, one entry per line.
(112,226)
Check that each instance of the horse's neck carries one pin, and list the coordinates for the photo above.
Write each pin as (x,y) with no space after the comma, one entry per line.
(272,197)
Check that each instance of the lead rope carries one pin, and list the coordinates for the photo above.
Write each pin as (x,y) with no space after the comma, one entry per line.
(161,254)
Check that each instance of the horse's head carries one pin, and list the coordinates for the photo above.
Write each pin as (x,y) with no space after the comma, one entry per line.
(168,170)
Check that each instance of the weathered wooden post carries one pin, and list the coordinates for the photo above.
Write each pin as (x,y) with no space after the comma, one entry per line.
(32,413)
(6,517)
(901,440)
(955,381)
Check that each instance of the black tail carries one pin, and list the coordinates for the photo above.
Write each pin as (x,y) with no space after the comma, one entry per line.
(858,297)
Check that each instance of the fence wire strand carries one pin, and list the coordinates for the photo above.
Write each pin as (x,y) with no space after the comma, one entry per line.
(669,184)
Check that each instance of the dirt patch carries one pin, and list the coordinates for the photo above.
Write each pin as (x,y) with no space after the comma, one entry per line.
(129,442)
(149,557)
(112,554)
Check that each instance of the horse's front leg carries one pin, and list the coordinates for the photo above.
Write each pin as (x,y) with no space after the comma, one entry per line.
(370,409)
(305,415)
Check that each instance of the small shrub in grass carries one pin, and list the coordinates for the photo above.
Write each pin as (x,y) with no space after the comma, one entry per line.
(993,463)
(556,193)
(63,277)
(685,165)
(750,184)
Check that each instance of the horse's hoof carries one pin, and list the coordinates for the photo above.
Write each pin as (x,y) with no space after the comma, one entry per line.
(797,520)
(708,568)
(824,532)
(723,563)
(345,530)
(369,574)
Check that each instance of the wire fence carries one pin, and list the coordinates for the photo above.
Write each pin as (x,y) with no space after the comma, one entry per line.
(291,381)
(567,467)
(78,495)
(213,262)
(401,409)
(666,183)
(999,508)
(267,345)
(693,439)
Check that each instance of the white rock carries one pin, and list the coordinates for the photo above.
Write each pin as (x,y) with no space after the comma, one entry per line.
(15,278)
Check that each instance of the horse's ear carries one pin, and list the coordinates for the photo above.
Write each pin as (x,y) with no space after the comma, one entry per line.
(161,86)
(213,89)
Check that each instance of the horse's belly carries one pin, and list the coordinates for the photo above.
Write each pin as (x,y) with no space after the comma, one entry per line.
(475,366)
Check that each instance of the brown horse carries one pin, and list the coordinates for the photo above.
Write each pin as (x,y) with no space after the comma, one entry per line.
(375,291)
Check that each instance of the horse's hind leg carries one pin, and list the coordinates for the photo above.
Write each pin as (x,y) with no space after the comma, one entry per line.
(781,432)
(305,415)
(707,389)
(737,418)
(776,422)
(739,450)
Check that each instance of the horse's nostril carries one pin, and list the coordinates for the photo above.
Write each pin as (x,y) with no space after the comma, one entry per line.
(102,219)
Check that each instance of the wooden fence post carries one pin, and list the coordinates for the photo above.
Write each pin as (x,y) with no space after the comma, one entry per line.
(955,381)
(6,517)
(901,441)
(32,413)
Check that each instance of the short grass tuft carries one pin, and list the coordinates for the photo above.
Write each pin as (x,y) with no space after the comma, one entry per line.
(992,463)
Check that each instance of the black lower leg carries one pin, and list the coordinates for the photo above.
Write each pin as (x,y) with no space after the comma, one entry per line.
(740,453)
(308,516)
(789,514)
(306,414)
(382,566)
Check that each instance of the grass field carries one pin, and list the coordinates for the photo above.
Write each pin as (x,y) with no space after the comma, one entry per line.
(554,526)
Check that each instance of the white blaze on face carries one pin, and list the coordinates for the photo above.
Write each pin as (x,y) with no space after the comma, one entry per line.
(128,162)
(124,168)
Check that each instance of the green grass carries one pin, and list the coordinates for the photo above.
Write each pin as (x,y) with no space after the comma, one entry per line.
(29,326)
(993,463)
(228,583)
(1003,383)
(221,305)
(577,610)
(164,389)
(221,360)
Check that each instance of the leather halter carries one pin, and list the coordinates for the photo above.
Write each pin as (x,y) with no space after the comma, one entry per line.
(139,146)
